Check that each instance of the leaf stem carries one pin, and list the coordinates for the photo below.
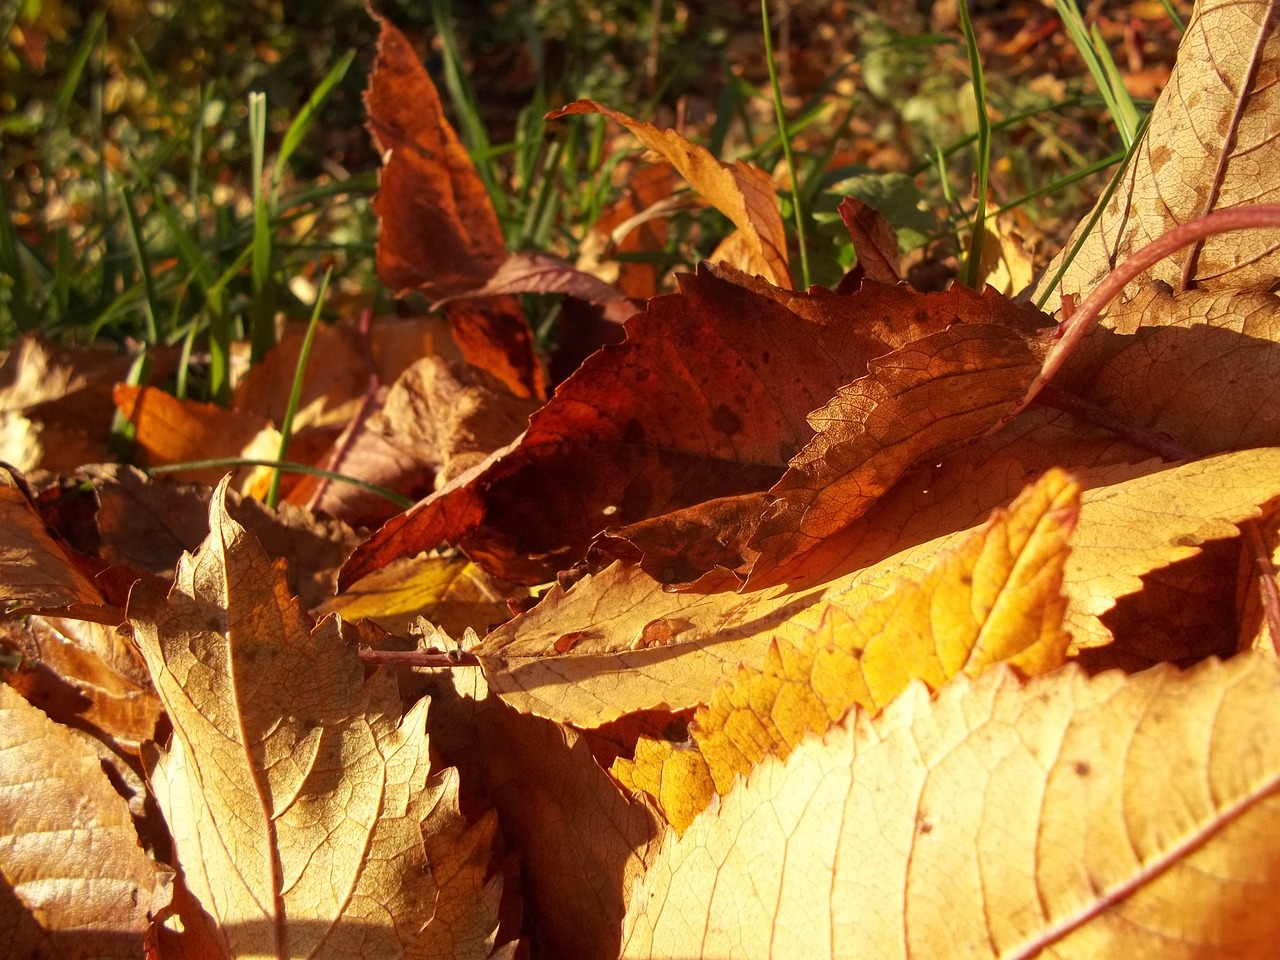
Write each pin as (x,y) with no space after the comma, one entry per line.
(1072,331)
(432,657)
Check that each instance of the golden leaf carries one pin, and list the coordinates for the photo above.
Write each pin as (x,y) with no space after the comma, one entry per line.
(996,596)
(1113,816)
(298,796)
(742,192)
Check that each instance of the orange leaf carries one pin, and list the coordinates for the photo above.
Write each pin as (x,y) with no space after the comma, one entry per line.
(742,192)
(439,232)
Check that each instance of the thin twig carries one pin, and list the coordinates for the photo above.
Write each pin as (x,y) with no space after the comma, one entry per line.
(431,657)
(1159,443)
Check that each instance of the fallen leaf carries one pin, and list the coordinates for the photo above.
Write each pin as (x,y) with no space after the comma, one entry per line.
(298,796)
(531,271)
(706,398)
(439,232)
(742,192)
(580,839)
(169,430)
(874,240)
(994,597)
(450,592)
(76,881)
(1209,145)
(915,404)
(36,572)
(1002,819)
(1133,519)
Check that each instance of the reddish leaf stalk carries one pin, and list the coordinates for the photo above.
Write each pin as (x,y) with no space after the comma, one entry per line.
(1071,332)
(1266,579)
(431,657)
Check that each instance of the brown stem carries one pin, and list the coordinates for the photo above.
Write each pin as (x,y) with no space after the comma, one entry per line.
(1158,443)
(1266,579)
(432,657)
(1071,332)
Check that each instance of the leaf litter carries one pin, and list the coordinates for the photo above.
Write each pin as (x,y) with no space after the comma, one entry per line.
(836,621)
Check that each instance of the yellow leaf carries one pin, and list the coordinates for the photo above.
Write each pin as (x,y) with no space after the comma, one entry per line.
(297,795)
(742,192)
(996,596)
(76,880)
(1114,816)
(452,592)
(1133,519)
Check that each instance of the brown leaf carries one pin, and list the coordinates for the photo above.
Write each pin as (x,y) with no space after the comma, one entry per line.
(581,840)
(531,271)
(439,232)
(494,336)
(1002,819)
(298,796)
(706,398)
(76,881)
(83,675)
(1211,144)
(36,571)
(742,192)
(914,405)
(874,240)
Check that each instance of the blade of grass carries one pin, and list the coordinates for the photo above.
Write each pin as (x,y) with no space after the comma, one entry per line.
(262,309)
(1093,218)
(122,428)
(1103,68)
(151,306)
(404,503)
(303,121)
(1173,15)
(295,394)
(219,323)
(25,316)
(797,198)
(969,275)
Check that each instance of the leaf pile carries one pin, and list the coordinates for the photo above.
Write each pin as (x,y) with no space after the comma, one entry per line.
(780,628)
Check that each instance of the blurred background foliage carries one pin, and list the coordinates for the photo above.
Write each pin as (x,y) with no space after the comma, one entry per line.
(127,153)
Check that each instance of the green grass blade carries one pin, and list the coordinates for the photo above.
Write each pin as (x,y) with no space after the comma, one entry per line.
(262,309)
(75,69)
(21,309)
(1105,75)
(969,276)
(295,394)
(1101,205)
(306,117)
(797,198)
(403,502)
(1174,16)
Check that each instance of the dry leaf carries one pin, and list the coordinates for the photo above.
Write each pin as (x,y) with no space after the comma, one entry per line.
(874,240)
(742,192)
(581,841)
(995,597)
(1211,143)
(75,880)
(1113,816)
(1133,519)
(451,592)
(298,796)
(706,398)
(36,571)
(439,232)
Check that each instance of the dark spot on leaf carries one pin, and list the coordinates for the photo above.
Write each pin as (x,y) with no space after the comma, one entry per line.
(1081,768)
(726,421)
